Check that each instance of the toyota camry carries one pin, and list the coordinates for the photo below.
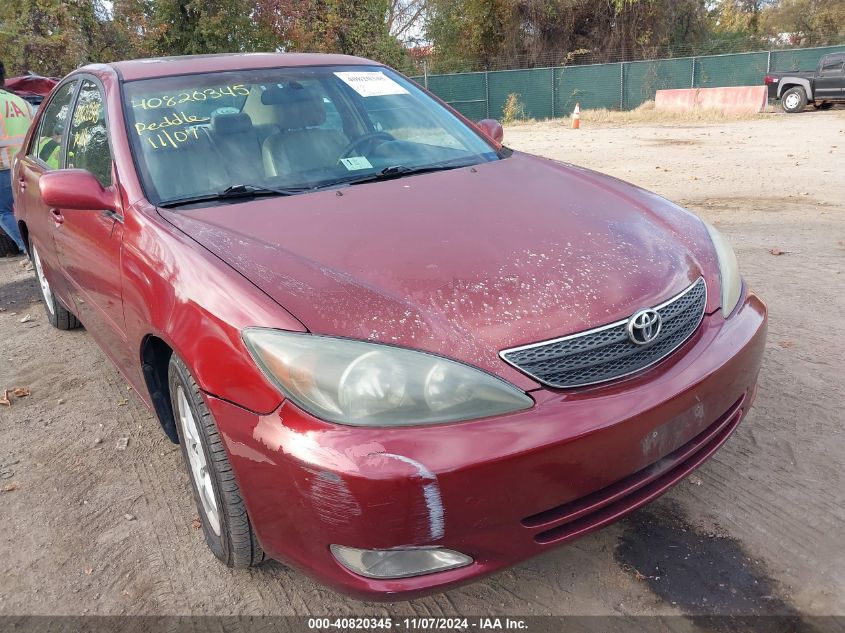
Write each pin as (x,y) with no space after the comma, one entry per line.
(396,354)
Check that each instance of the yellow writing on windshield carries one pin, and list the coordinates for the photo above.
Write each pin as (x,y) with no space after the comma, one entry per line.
(170,120)
(161,133)
(173,138)
(171,101)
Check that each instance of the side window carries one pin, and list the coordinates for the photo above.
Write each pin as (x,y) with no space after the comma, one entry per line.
(88,142)
(832,64)
(48,142)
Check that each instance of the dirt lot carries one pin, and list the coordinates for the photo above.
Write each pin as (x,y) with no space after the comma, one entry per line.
(91,524)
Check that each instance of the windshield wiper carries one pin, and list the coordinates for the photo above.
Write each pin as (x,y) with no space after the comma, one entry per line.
(398,171)
(234,191)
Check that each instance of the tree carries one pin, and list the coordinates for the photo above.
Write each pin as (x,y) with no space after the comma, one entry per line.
(500,33)
(739,16)
(352,27)
(37,34)
(814,20)
(191,27)
(404,19)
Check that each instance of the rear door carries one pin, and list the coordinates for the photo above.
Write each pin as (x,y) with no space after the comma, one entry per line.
(89,241)
(830,80)
(45,153)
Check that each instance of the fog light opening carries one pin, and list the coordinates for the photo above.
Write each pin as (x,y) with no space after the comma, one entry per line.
(398,563)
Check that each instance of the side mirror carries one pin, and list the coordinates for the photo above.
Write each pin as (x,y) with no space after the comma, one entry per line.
(493,129)
(75,189)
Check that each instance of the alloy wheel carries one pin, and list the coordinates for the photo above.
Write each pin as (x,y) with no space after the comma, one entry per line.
(196,460)
(45,285)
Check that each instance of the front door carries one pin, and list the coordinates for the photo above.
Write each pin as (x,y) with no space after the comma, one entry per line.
(89,241)
(830,80)
(46,153)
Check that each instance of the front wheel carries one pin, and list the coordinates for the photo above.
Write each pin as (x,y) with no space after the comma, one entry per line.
(58,315)
(225,523)
(794,100)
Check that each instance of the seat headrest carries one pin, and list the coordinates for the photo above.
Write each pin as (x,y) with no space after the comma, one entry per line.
(296,106)
(236,123)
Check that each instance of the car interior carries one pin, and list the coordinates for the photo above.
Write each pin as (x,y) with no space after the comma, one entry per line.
(281,135)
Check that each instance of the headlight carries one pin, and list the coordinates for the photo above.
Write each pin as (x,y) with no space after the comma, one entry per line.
(398,563)
(731,282)
(369,384)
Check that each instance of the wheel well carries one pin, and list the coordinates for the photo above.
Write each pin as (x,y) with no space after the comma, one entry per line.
(790,87)
(155,359)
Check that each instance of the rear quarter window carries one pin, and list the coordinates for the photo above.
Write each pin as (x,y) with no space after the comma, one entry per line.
(48,144)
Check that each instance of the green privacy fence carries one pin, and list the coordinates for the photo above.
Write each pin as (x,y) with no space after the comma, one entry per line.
(553,92)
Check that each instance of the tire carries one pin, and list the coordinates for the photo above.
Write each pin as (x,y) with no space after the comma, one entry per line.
(58,315)
(824,105)
(225,522)
(794,100)
(7,245)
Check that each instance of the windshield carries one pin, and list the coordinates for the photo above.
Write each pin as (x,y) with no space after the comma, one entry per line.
(294,128)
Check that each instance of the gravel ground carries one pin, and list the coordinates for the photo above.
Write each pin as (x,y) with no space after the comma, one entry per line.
(96,513)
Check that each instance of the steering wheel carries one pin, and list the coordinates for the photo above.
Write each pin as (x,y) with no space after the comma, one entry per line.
(367,138)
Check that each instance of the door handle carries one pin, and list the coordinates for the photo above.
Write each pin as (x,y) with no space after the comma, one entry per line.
(58,218)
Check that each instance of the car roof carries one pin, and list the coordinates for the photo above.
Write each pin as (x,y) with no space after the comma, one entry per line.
(165,66)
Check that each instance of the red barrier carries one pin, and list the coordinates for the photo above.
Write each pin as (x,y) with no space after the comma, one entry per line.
(733,100)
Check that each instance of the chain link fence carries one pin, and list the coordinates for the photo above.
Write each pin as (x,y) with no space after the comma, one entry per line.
(543,93)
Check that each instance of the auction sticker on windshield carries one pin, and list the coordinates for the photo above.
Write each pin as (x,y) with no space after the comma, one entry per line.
(356,162)
(371,84)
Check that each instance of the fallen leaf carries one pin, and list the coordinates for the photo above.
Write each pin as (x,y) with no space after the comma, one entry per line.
(196,524)
(21,392)
(5,399)
(776,251)
(88,571)
(26,319)
(786,343)
(123,403)
(10,487)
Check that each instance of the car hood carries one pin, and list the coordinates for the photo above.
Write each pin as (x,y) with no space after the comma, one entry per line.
(462,263)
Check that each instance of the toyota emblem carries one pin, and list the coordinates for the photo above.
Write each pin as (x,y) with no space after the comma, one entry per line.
(644,326)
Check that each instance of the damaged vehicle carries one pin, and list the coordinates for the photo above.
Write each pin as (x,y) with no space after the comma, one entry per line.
(396,354)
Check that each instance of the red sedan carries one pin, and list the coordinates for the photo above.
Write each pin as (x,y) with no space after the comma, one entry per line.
(396,353)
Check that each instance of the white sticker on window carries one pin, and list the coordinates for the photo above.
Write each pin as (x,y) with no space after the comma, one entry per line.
(371,84)
(356,162)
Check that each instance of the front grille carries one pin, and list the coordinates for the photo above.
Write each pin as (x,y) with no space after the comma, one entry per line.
(606,353)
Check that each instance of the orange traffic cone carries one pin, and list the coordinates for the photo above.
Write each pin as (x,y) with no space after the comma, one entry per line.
(576,117)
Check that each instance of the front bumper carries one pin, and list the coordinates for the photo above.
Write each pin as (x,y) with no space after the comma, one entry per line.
(502,489)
